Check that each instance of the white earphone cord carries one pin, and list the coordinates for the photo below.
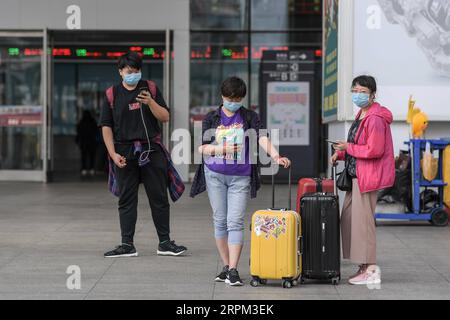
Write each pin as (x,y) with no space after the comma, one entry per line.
(145,154)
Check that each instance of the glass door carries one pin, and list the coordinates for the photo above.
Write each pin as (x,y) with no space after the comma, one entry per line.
(22,106)
(83,66)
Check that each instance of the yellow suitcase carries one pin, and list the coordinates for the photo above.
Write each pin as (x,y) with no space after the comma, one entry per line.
(446,170)
(275,252)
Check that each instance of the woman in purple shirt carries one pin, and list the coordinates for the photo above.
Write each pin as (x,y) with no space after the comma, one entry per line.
(229,175)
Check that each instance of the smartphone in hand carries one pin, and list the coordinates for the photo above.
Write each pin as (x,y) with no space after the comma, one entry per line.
(332,142)
(141,90)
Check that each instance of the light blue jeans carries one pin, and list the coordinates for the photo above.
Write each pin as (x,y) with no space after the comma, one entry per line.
(228,196)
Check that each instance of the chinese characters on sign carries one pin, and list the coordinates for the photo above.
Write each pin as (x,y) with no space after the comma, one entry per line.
(288,105)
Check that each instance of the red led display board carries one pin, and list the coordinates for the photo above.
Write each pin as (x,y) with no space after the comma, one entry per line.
(150,53)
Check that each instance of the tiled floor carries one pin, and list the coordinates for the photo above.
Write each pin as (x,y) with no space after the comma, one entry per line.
(44,229)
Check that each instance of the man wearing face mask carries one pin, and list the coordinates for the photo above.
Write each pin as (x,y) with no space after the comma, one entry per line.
(369,160)
(130,120)
(227,173)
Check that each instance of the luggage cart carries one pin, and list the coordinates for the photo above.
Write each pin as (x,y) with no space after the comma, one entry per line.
(437,216)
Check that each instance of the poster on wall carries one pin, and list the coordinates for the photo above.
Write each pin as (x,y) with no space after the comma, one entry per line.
(20,116)
(330,60)
(405,45)
(288,105)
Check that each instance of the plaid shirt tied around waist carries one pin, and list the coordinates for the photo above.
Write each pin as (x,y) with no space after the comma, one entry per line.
(175,186)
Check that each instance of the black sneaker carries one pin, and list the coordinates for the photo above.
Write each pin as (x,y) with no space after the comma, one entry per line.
(169,248)
(122,251)
(221,277)
(233,278)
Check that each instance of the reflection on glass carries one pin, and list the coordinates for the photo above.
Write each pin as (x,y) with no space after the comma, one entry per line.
(81,86)
(285,14)
(20,103)
(219,14)
(279,41)
(215,57)
(265,14)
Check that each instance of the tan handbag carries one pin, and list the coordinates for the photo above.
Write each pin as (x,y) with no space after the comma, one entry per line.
(429,164)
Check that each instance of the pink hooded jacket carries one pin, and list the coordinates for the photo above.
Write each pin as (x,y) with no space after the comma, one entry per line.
(374,150)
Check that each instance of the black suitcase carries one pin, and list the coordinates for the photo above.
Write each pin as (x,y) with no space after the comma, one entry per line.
(321,236)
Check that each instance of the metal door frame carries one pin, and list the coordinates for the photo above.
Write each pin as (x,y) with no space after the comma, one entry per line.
(33,175)
(167,93)
(167,86)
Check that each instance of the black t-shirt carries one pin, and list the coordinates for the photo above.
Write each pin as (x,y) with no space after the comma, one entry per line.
(125,116)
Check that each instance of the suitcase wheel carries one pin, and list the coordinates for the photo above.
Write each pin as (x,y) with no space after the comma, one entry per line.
(255,282)
(335,281)
(287,284)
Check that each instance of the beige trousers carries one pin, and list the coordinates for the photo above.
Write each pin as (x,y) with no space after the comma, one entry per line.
(359,239)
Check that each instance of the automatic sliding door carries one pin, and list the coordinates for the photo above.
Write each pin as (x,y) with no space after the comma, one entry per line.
(21,106)
(84,66)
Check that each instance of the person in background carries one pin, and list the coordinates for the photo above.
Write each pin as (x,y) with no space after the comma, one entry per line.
(227,173)
(86,138)
(369,157)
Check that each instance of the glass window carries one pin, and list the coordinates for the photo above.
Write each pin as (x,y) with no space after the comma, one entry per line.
(278,41)
(279,25)
(285,14)
(214,57)
(265,14)
(20,103)
(64,109)
(219,14)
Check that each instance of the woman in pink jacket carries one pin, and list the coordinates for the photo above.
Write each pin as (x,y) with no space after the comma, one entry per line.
(369,159)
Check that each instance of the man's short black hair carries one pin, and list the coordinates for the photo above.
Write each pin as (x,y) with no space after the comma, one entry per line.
(366,81)
(130,59)
(234,88)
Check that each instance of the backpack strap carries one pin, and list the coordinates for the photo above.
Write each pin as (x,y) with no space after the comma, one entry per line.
(152,87)
(110,96)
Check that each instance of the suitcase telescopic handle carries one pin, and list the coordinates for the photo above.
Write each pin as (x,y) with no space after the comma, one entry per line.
(290,189)
(300,245)
(334,173)
(334,177)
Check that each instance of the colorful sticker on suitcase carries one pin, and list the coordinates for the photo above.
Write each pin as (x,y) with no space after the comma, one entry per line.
(269,226)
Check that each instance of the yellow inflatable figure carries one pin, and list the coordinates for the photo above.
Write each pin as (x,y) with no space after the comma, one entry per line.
(419,125)
(412,111)
(417,119)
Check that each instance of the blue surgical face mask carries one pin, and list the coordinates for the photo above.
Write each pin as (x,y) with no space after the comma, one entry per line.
(232,106)
(361,100)
(132,79)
